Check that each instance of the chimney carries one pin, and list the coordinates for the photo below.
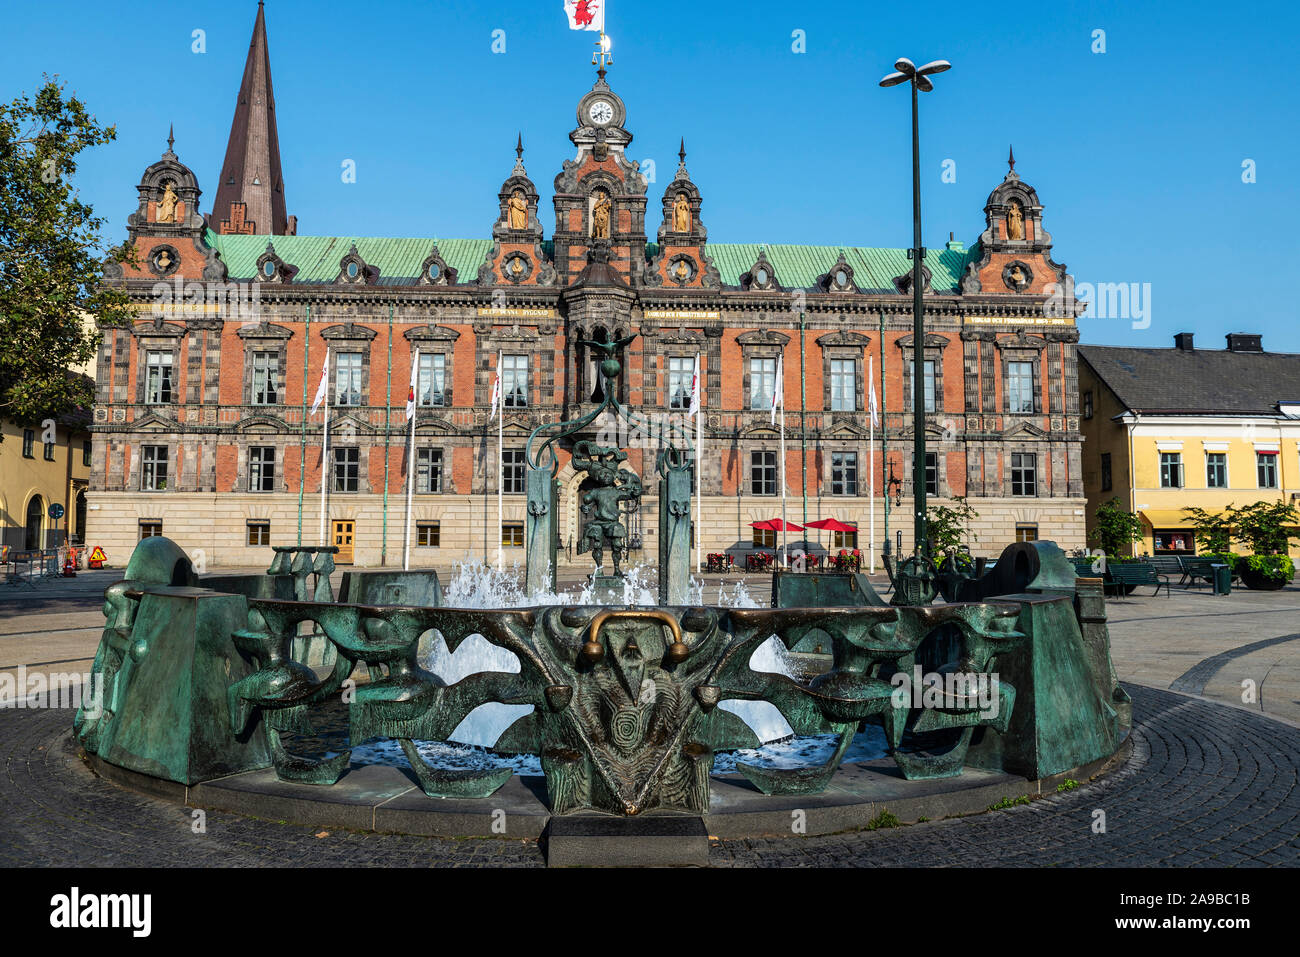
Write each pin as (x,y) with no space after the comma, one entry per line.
(1243,342)
(1183,342)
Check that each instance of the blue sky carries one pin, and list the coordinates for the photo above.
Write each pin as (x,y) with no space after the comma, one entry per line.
(1136,152)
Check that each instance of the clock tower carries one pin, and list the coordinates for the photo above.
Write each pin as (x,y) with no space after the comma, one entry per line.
(600,195)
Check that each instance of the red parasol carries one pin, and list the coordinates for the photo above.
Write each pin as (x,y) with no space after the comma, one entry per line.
(833,525)
(777,525)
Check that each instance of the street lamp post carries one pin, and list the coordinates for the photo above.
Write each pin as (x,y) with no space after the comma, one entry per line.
(918,79)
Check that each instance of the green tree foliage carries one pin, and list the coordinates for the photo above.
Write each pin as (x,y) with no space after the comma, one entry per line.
(51,256)
(1267,527)
(1213,529)
(1116,528)
(948,526)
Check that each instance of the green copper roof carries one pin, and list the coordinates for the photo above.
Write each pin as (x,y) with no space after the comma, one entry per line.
(399,260)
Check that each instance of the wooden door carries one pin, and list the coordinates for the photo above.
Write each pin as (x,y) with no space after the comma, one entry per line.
(344,532)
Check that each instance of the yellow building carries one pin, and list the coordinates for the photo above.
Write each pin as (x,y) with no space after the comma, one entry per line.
(1169,429)
(41,464)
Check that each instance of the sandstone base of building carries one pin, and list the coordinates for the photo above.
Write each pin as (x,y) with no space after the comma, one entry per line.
(214,529)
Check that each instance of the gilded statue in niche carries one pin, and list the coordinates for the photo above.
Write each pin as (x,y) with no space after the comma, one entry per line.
(518,210)
(682,214)
(167,205)
(1015,222)
(600,216)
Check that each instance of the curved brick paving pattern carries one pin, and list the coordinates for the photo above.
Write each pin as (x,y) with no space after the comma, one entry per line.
(1205,785)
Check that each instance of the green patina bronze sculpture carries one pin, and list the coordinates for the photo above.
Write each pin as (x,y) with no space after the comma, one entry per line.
(611,487)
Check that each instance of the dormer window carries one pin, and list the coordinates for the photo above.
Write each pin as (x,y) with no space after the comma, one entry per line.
(268,269)
(434,272)
(353,270)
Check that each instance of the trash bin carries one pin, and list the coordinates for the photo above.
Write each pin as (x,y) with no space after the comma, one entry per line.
(1222,579)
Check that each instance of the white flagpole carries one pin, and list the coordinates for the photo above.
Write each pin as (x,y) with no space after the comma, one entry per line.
(410,460)
(325,453)
(871,417)
(785,532)
(699,460)
(501,478)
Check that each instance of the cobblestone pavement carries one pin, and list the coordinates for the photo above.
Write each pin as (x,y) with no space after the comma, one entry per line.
(1206,785)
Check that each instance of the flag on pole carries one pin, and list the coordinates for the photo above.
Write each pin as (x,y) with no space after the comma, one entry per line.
(872,407)
(778,393)
(695,391)
(585,14)
(496,393)
(410,395)
(323,388)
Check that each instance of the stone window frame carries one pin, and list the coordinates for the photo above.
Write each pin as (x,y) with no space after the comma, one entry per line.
(268,338)
(1038,478)
(776,472)
(669,358)
(247,455)
(166,463)
(349,337)
(857,472)
(844,345)
(158,336)
(758,344)
(1022,348)
(931,351)
(424,526)
(657,349)
(421,478)
(334,467)
(433,339)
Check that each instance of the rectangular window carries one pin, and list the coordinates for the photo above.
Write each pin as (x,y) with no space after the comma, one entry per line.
(764,538)
(844,385)
(1173,542)
(844,539)
(1171,469)
(762,383)
(432,380)
(85,453)
(928,385)
(347,469)
(428,534)
(1266,467)
(932,473)
(681,372)
(512,534)
(512,471)
(514,383)
(1106,479)
(1024,473)
(158,378)
(428,470)
(1026,533)
(266,378)
(347,378)
(150,528)
(29,442)
(261,469)
(762,473)
(1216,469)
(49,451)
(153,468)
(1087,404)
(259,533)
(844,473)
(1020,387)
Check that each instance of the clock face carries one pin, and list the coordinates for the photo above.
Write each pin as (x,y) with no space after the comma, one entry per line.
(601,112)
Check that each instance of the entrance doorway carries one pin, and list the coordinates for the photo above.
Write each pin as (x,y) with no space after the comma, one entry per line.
(35,521)
(344,532)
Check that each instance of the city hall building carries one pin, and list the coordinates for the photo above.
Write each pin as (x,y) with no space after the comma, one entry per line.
(203,430)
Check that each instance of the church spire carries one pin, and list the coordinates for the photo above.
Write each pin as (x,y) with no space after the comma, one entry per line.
(250,193)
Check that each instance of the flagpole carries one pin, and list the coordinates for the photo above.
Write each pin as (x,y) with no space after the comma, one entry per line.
(410,461)
(501,417)
(699,463)
(871,418)
(324,451)
(785,532)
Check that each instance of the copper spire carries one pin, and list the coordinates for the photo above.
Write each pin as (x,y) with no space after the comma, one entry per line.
(251,172)
(1011,159)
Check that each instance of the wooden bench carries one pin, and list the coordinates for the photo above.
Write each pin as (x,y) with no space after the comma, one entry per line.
(1168,565)
(1137,573)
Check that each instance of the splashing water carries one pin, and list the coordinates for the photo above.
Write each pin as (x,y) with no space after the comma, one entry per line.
(479,585)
